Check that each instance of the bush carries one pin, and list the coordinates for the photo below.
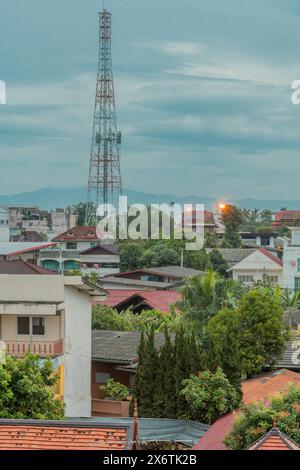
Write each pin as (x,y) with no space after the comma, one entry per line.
(209,395)
(115,390)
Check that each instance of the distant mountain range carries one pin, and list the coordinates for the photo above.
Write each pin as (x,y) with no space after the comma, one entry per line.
(51,198)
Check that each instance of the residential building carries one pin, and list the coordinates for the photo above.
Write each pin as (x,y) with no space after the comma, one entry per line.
(50,315)
(291,260)
(163,274)
(286,218)
(199,220)
(258,266)
(233,256)
(121,283)
(81,249)
(138,301)
(76,434)
(26,251)
(265,239)
(27,236)
(256,389)
(4,224)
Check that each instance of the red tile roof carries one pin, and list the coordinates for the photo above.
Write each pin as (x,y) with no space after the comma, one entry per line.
(77,234)
(22,267)
(258,388)
(286,217)
(63,435)
(274,440)
(269,255)
(155,299)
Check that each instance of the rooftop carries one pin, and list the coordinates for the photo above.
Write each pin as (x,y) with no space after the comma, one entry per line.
(119,346)
(15,248)
(274,440)
(78,233)
(22,267)
(150,299)
(178,272)
(64,435)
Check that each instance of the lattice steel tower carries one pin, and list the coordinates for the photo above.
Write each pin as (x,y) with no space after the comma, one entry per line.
(105,184)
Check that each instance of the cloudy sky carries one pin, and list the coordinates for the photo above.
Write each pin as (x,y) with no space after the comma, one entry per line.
(203,94)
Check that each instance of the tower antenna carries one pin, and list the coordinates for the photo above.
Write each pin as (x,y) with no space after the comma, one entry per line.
(104,184)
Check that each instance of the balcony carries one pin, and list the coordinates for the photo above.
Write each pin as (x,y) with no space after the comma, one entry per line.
(41,348)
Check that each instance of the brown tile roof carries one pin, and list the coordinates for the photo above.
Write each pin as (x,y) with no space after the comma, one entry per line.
(151,299)
(22,267)
(64,435)
(274,440)
(78,233)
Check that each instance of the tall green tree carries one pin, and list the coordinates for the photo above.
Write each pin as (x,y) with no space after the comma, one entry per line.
(262,331)
(130,255)
(26,389)
(232,218)
(224,346)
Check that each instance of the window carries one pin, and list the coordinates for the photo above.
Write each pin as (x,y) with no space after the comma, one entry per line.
(265,241)
(71,246)
(23,326)
(246,278)
(270,279)
(38,326)
(297,283)
(34,326)
(298,264)
(102,377)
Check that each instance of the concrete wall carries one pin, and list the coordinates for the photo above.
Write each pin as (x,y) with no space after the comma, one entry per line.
(77,357)
(31,288)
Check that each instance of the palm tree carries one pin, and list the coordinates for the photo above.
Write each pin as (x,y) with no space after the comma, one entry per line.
(198,295)
(290,303)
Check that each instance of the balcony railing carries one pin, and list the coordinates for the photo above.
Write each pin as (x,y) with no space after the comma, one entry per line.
(41,348)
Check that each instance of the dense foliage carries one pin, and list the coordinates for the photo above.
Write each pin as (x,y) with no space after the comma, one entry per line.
(257,419)
(26,389)
(209,395)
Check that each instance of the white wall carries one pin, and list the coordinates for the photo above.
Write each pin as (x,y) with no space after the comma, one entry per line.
(77,357)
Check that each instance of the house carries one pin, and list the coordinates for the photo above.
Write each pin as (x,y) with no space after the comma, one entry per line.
(138,301)
(265,239)
(4,224)
(114,356)
(164,274)
(233,256)
(258,266)
(274,440)
(27,251)
(258,388)
(290,358)
(285,218)
(81,249)
(197,220)
(74,434)
(50,315)
(291,260)
(27,236)
(123,283)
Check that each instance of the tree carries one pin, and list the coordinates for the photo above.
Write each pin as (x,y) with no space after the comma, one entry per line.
(26,389)
(130,255)
(106,318)
(263,334)
(224,346)
(198,296)
(164,395)
(257,419)
(232,218)
(209,395)
(146,381)
(218,263)
(160,255)
(80,210)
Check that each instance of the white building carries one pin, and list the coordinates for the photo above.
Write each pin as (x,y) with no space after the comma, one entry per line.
(4,224)
(260,265)
(80,249)
(50,315)
(291,260)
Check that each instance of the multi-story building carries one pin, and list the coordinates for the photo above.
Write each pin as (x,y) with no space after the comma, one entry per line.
(81,249)
(50,315)
(4,224)
(291,260)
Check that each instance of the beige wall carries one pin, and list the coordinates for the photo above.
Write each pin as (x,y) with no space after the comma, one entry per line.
(31,288)
(52,329)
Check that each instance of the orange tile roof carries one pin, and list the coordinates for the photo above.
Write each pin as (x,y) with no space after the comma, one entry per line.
(63,435)
(274,440)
